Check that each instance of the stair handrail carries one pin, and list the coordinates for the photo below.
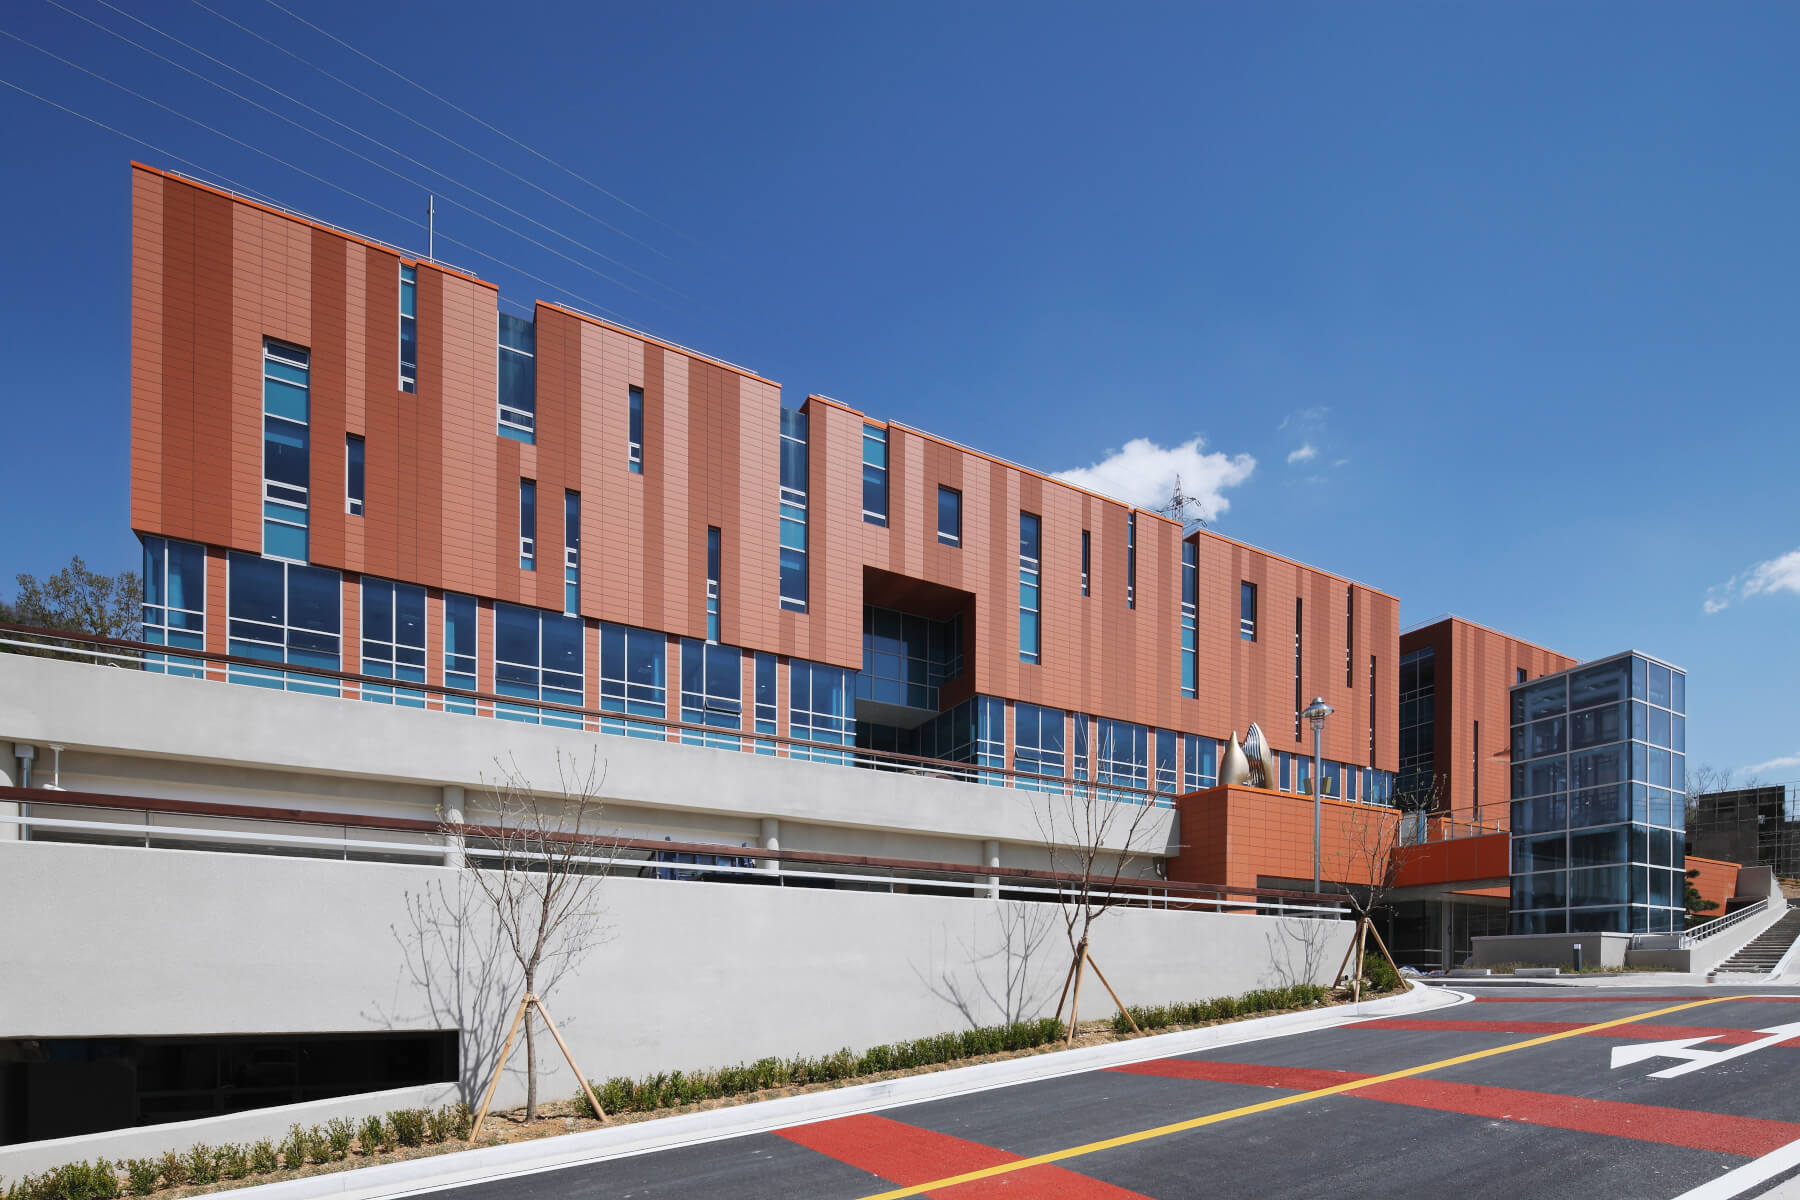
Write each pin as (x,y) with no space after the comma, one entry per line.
(1700,933)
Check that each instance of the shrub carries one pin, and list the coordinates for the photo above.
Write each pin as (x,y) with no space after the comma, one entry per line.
(339,1135)
(73,1181)
(293,1148)
(201,1167)
(371,1135)
(233,1162)
(1221,1008)
(407,1126)
(263,1159)
(664,1090)
(460,1119)
(1381,977)
(174,1169)
(141,1175)
(318,1145)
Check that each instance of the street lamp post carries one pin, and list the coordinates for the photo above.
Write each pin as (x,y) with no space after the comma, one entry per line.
(1316,712)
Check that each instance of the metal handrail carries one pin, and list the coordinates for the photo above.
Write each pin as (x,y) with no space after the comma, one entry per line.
(741,861)
(1700,933)
(436,697)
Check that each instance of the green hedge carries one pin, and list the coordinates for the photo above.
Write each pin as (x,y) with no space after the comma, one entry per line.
(1223,1008)
(1381,977)
(99,1180)
(675,1088)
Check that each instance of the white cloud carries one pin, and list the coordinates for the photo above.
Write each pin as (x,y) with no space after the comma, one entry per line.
(1305,418)
(1765,578)
(1305,453)
(1342,462)
(1143,473)
(1784,763)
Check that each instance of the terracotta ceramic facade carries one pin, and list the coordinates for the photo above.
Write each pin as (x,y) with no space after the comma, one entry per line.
(214,275)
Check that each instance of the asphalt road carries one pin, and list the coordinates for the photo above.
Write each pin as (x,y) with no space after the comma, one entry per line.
(1548,1092)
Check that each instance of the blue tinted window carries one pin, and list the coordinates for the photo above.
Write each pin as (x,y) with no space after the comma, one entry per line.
(518,378)
(875,475)
(393,639)
(711,691)
(174,604)
(571,552)
(409,329)
(632,679)
(285,613)
(1030,573)
(793,510)
(1037,740)
(353,474)
(634,449)
(1247,611)
(528,524)
(949,516)
(287,466)
(459,649)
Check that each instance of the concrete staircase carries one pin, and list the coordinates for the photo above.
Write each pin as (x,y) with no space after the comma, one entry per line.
(1767,949)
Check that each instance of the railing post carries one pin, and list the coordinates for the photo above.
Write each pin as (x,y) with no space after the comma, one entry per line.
(990,856)
(8,778)
(771,840)
(454,855)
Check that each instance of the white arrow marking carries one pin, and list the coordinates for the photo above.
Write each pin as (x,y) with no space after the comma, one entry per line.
(1697,1059)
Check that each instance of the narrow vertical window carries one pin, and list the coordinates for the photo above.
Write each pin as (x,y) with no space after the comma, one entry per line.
(1081,747)
(875,475)
(459,650)
(571,552)
(1520,676)
(1372,710)
(949,517)
(287,451)
(1165,761)
(353,474)
(518,378)
(1131,560)
(1190,598)
(794,471)
(1087,557)
(712,583)
(174,606)
(1247,611)
(1299,627)
(527,525)
(766,706)
(634,448)
(1030,537)
(1349,637)
(1475,768)
(409,329)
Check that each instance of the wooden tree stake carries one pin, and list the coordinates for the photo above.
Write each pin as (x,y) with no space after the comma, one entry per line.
(525,1006)
(1348,950)
(505,1052)
(1075,1000)
(1068,977)
(560,1045)
(1115,996)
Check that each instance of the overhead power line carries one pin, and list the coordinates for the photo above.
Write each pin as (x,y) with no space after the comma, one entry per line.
(395,151)
(434,131)
(571,172)
(414,222)
(381,166)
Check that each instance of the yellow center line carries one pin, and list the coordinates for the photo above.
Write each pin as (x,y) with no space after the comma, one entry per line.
(1144,1135)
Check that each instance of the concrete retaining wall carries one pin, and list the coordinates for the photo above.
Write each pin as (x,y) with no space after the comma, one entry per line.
(116,941)
(1553,949)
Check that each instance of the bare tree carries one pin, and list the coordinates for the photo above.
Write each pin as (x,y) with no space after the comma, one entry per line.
(1001,973)
(1703,780)
(538,866)
(1093,841)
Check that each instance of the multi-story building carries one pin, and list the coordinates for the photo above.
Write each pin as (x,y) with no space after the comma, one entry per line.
(1454,751)
(344,457)
(1758,825)
(1598,777)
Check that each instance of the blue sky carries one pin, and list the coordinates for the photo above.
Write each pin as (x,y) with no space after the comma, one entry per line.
(1489,307)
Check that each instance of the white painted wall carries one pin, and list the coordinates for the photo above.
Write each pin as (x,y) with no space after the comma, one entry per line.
(144,734)
(118,941)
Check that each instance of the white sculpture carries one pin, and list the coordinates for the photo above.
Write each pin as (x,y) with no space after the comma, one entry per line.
(1234,771)
(1261,758)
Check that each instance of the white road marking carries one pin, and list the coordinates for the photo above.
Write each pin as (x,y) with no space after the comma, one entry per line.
(1623,1056)
(1751,1174)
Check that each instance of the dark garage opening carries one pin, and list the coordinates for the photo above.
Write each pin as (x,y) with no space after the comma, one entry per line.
(65,1087)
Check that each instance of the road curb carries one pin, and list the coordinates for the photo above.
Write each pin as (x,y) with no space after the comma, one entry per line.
(623,1141)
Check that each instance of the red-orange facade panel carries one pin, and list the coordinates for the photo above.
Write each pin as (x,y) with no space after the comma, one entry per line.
(1475,669)
(214,276)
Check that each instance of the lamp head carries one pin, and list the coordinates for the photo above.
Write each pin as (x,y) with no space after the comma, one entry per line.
(1317,711)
